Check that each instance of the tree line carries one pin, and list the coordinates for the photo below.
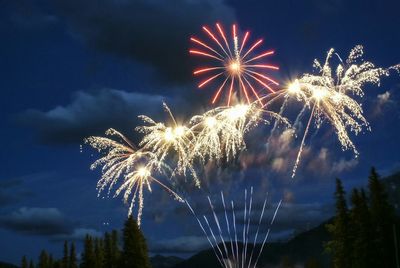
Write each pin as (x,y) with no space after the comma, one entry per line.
(363,232)
(108,251)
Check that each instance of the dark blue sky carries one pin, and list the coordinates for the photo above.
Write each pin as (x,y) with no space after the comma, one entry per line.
(74,68)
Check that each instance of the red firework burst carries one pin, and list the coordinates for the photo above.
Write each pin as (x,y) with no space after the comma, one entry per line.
(235,63)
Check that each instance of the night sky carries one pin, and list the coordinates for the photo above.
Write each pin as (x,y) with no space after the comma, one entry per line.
(70,69)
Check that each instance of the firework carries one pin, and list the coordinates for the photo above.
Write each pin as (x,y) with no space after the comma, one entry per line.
(217,134)
(207,128)
(240,119)
(223,132)
(330,95)
(234,64)
(169,139)
(224,234)
(135,167)
(220,132)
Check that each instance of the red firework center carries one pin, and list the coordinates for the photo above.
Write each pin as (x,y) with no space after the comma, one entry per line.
(234,64)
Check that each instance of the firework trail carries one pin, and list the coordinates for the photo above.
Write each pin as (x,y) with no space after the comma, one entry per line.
(227,250)
(204,231)
(136,168)
(234,64)
(297,162)
(268,232)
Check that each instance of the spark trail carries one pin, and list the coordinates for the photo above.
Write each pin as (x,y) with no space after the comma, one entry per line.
(225,243)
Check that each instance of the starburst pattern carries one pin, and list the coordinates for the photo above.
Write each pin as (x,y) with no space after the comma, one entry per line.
(234,64)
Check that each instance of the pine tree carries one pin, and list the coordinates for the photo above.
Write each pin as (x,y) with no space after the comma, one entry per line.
(57,264)
(339,246)
(312,263)
(115,250)
(111,250)
(99,252)
(134,253)
(50,263)
(43,260)
(107,250)
(88,257)
(72,257)
(382,215)
(286,262)
(24,262)
(361,231)
(31,264)
(65,259)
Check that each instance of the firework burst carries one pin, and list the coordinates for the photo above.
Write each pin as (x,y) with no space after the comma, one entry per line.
(207,128)
(169,139)
(135,167)
(220,132)
(234,64)
(330,95)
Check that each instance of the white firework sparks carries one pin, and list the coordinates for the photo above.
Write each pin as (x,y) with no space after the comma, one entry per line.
(173,139)
(135,167)
(220,132)
(330,95)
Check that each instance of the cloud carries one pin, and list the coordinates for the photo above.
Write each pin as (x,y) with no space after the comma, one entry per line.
(11,193)
(382,101)
(50,222)
(25,14)
(6,196)
(91,114)
(36,221)
(183,244)
(384,97)
(323,163)
(344,165)
(320,162)
(153,32)
(300,216)
(277,155)
(77,234)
